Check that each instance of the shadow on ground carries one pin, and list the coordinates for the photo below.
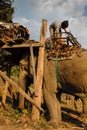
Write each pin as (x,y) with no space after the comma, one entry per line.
(71,116)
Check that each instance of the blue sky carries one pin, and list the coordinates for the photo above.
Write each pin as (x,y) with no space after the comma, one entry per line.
(85,10)
(31,12)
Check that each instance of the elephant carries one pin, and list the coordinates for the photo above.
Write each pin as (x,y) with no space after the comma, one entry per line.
(72,79)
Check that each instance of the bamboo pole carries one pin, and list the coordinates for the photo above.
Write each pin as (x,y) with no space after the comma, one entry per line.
(3,75)
(36,113)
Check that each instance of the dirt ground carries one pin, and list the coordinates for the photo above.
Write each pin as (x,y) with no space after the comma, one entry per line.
(12,119)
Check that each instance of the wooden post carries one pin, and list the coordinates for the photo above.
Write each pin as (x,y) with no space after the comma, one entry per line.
(5,92)
(36,113)
(34,72)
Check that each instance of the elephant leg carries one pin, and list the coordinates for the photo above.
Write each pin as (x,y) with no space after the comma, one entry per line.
(84,103)
(53,107)
(59,105)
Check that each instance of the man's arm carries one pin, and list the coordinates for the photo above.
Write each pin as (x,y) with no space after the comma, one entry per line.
(65,30)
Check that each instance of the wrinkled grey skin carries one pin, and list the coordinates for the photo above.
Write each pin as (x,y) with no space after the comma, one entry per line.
(72,78)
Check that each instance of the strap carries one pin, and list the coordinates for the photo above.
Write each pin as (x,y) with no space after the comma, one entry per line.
(57,68)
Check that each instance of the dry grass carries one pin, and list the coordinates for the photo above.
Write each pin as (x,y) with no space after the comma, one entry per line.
(70,117)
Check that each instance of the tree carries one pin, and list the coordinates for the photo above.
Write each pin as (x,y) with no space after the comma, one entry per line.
(6,10)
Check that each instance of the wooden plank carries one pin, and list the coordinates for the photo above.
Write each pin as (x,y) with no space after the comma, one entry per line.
(18,88)
(24,44)
(36,113)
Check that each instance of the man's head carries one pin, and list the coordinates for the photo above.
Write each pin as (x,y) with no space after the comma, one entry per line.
(64,24)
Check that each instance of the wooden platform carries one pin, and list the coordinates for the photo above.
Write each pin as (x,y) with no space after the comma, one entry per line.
(22,45)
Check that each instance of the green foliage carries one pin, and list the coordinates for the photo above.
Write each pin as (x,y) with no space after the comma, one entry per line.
(25,111)
(15,71)
(16,114)
(6,10)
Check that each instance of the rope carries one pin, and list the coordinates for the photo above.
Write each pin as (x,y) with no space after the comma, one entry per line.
(57,67)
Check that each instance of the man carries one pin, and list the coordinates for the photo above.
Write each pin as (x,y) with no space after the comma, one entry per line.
(55,27)
(56,32)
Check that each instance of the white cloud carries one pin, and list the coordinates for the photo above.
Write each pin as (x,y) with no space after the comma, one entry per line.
(52,10)
(78,28)
(22,20)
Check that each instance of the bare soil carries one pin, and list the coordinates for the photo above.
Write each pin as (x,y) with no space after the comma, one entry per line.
(12,119)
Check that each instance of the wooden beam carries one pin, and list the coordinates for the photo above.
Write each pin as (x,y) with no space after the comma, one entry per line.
(18,88)
(22,45)
(36,113)
(34,72)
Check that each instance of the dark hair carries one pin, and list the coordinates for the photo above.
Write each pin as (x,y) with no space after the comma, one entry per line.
(64,24)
